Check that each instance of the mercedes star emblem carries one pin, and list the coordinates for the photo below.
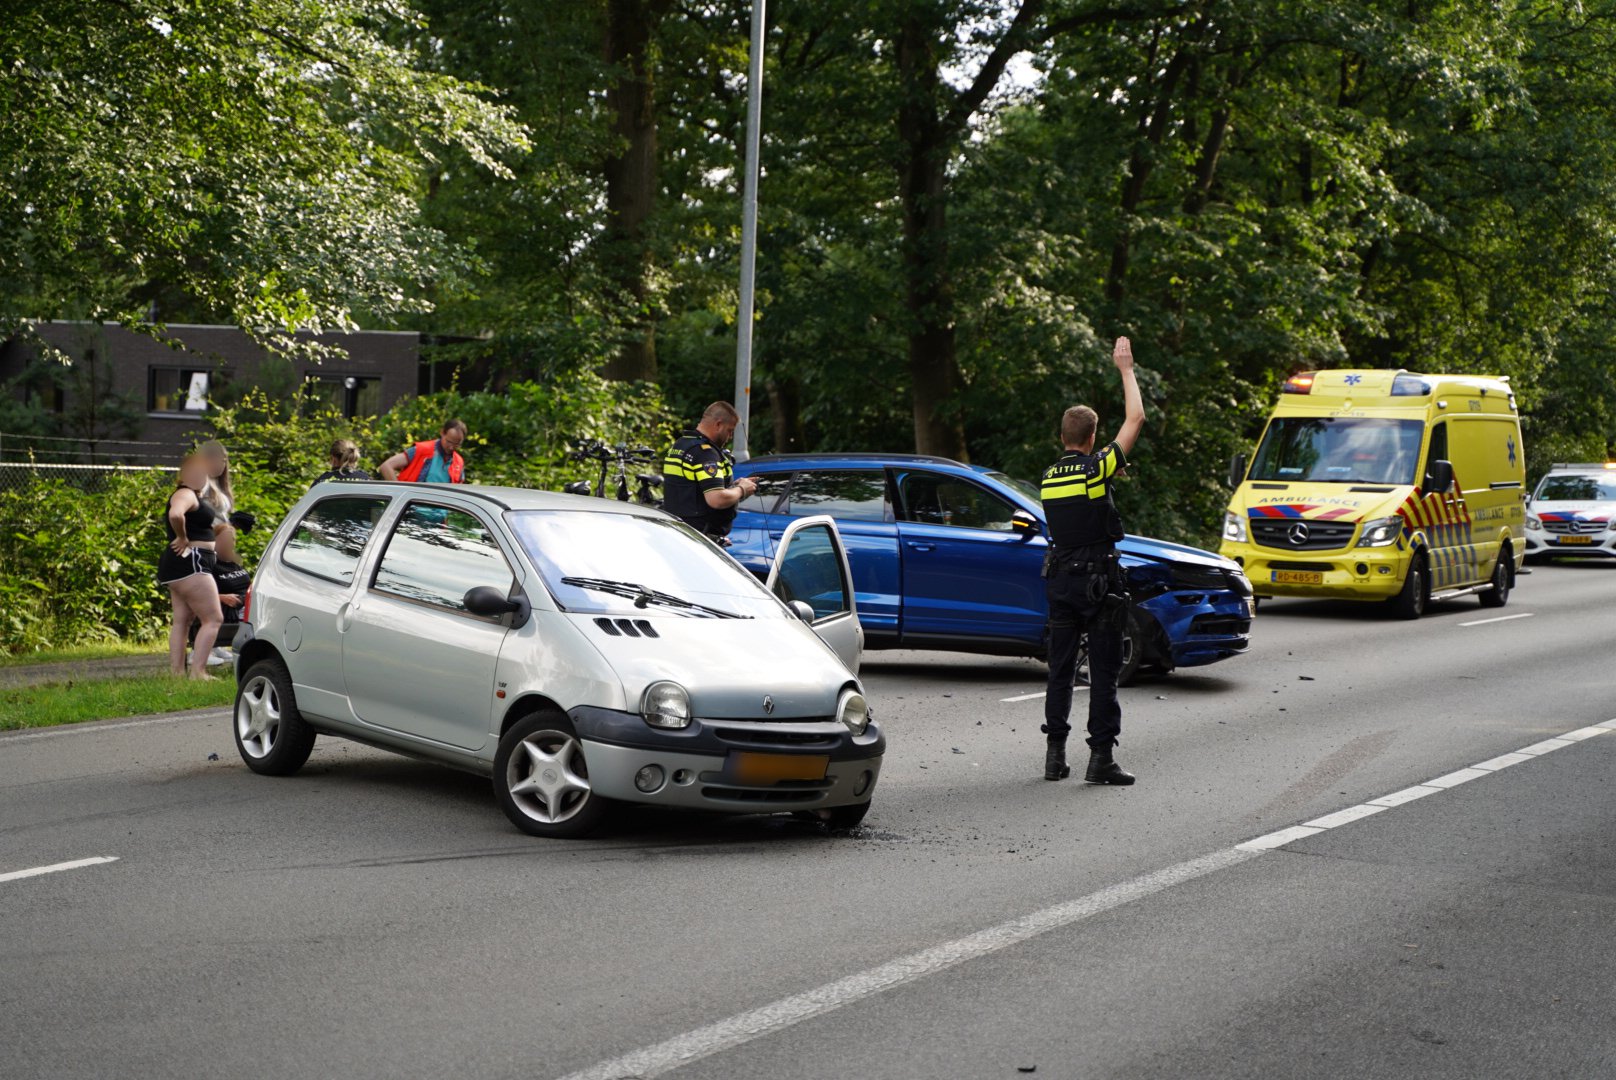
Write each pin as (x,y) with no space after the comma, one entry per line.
(1298,534)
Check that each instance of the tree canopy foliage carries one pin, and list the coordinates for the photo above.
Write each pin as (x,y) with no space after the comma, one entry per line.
(260,161)
(962,200)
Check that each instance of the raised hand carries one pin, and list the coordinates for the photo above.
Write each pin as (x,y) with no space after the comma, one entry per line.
(1122,354)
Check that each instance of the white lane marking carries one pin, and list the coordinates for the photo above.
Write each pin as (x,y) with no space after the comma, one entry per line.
(1279,839)
(1407,795)
(1543,747)
(703,1042)
(1454,779)
(91,729)
(94,860)
(1350,814)
(1585,732)
(681,1050)
(1039,694)
(1498,618)
(1503,761)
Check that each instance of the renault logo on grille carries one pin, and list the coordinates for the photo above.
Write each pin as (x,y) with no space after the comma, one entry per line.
(1298,534)
(768,705)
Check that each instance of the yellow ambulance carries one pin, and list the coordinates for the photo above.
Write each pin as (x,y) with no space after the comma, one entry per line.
(1383,485)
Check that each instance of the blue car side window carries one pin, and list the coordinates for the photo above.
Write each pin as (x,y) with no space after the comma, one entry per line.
(933,499)
(846,496)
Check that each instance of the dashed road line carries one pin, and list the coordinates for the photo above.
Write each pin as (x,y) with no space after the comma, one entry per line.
(1079,688)
(681,1050)
(56,868)
(1498,618)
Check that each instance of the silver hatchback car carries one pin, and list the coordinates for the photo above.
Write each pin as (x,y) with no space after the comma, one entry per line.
(578,651)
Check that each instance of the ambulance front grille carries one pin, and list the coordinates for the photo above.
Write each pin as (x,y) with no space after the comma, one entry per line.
(1293,534)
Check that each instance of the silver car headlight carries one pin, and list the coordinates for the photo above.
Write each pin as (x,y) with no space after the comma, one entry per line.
(853,711)
(1381,532)
(666,705)
(1533,523)
(1234,528)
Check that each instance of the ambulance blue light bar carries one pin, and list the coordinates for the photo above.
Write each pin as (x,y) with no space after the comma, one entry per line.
(1410,386)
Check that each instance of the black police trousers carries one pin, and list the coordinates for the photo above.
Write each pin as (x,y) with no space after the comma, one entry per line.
(1071,615)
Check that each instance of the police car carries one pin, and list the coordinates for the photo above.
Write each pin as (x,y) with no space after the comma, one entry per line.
(1573,512)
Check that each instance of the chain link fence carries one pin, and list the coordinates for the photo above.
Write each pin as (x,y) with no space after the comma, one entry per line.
(79,463)
(20,476)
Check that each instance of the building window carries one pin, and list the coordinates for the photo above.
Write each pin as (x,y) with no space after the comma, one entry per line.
(181,391)
(349,395)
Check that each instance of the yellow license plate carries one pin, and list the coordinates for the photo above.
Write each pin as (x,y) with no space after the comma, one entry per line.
(1576,539)
(750,768)
(1298,577)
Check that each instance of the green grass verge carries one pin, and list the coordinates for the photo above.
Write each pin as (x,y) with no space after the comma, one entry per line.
(105,699)
(100,651)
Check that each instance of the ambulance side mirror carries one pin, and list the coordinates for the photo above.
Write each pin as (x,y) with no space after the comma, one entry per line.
(1237,470)
(1438,477)
(1024,525)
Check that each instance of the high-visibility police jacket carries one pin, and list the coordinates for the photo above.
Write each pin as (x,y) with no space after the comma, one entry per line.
(1076,492)
(692,467)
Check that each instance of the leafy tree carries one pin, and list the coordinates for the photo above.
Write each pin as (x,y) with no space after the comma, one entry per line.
(259,159)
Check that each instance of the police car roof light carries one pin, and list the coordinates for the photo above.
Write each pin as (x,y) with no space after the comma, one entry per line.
(1300,383)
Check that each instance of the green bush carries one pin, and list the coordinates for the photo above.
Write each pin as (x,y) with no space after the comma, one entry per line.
(79,567)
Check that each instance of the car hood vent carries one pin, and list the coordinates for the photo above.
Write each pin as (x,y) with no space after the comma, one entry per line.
(626,627)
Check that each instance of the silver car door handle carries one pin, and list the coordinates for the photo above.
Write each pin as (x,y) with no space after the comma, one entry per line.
(344,617)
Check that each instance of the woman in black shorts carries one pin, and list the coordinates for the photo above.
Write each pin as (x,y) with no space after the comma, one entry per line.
(186,568)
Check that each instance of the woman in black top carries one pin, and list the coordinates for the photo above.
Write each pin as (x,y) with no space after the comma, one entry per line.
(344,463)
(186,568)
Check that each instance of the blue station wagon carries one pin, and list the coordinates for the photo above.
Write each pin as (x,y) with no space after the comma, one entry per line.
(948,556)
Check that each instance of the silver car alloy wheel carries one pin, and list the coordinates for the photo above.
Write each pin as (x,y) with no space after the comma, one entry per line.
(258,717)
(547,777)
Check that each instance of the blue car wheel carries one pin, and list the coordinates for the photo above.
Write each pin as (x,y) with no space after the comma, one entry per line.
(1132,651)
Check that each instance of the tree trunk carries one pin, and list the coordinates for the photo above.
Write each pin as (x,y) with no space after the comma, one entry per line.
(928,285)
(785,408)
(631,179)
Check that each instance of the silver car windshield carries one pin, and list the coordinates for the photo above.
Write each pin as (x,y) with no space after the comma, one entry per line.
(623,564)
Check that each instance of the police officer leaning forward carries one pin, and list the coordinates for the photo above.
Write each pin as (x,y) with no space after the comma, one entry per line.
(1083,578)
(698,474)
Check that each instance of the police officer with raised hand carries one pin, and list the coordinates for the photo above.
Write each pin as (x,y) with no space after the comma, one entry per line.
(1083,578)
(698,474)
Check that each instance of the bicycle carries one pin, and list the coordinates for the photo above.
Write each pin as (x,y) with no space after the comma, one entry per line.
(623,456)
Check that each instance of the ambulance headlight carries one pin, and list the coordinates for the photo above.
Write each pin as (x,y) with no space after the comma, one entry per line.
(1381,532)
(1234,528)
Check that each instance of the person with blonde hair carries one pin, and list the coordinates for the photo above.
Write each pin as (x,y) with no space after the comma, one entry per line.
(344,463)
(186,568)
(218,493)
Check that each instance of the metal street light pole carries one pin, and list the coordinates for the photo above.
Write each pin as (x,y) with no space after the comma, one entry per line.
(749,201)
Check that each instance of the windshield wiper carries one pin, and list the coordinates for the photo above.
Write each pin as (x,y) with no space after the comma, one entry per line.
(644,597)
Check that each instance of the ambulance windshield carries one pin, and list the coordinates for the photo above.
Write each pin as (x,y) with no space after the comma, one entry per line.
(1344,450)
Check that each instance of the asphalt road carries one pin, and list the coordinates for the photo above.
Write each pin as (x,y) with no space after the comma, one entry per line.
(378,917)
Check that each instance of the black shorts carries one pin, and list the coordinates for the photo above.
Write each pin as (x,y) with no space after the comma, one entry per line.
(172,567)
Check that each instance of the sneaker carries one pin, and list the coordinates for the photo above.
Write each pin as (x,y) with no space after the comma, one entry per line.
(220,655)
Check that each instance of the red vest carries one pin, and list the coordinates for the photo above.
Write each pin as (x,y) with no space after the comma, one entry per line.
(423,454)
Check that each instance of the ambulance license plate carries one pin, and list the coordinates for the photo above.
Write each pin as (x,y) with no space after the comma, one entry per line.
(1298,577)
(750,768)
(1576,539)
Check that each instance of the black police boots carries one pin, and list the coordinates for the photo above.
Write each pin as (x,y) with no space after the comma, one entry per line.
(1103,769)
(1055,767)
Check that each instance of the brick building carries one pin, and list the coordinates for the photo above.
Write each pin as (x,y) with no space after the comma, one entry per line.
(158,395)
